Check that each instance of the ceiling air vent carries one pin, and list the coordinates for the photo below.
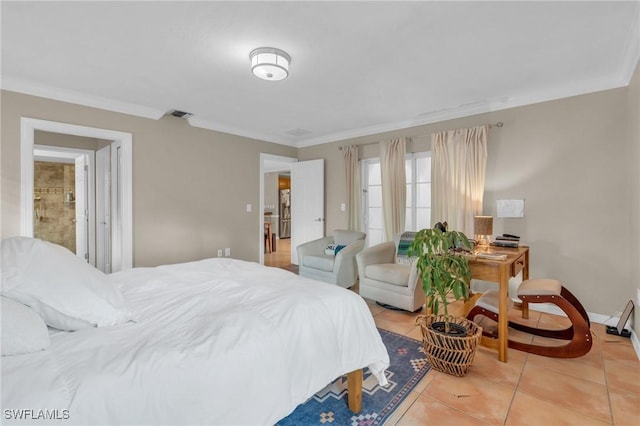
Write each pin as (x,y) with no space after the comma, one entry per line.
(179,114)
(298,132)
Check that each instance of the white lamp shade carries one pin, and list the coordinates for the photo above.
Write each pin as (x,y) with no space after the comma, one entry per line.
(269,63)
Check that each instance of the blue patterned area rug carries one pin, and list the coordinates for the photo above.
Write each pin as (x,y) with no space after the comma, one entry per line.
(329,406)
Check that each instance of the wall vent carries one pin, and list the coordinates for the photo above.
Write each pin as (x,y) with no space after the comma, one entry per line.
(179,114)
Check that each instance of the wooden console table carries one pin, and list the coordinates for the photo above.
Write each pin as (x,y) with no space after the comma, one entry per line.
(500,271)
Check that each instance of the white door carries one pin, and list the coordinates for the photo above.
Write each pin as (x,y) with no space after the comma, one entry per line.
(82,207)
(103,209)
(307,203)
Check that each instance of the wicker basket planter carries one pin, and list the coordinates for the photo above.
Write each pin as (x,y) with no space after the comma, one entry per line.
(449,354)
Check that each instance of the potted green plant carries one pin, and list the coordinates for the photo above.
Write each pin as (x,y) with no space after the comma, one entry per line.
(443,267)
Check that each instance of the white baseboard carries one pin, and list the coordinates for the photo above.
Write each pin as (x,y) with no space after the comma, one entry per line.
(635,342)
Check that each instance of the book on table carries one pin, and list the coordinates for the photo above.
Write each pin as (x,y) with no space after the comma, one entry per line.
(507,241)
(503,238)
(503,243)
(491,256)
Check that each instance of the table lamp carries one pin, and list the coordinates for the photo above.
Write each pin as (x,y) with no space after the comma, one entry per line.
(483,229)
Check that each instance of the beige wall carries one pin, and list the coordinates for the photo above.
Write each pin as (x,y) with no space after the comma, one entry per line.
(190,186)
(568,160)
(634,192)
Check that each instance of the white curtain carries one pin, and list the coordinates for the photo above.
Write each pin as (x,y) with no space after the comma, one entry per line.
(394,185)
(354,188)
(458,168)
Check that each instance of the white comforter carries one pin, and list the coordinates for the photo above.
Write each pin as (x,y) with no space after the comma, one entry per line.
(219,341)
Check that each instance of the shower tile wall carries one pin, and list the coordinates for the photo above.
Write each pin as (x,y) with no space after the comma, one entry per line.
(53,215)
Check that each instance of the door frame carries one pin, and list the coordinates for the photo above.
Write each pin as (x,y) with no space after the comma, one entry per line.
(28,127)
(103,208)
(269,163)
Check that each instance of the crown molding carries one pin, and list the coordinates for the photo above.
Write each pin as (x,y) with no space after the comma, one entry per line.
(64,95)
(466,110)
(204,123)
(427,118)
(632,53)
(620,79)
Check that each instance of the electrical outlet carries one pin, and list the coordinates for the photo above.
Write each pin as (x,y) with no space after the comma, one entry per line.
(219,252)
(227,251)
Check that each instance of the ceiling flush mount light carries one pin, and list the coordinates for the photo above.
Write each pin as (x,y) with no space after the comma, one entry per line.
(269,63)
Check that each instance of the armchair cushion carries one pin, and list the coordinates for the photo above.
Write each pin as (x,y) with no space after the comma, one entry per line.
(324,263)
(390,273)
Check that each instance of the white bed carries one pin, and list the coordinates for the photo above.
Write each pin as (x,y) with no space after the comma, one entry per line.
(218,341)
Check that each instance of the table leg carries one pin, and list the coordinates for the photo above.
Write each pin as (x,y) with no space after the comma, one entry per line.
(503,314)
(525,276)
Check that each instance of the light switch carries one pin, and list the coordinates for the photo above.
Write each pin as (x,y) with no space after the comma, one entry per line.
(343,207)
(249,208)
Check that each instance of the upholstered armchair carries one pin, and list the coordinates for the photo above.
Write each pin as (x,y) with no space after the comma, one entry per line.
(388,282)
(332,259)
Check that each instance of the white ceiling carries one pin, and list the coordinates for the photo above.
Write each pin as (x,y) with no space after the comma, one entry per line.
(357,67)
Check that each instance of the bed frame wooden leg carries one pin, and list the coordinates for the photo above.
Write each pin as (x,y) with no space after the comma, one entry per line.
(354,390)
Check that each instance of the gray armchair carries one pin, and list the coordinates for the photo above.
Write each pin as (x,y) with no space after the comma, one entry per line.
(384,280)
(337,268)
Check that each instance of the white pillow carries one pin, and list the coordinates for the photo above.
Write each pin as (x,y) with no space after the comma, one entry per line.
(67,292)
(333,249)
(23,331)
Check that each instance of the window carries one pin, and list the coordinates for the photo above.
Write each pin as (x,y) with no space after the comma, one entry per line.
(418,168)
(372,191)
(418,175)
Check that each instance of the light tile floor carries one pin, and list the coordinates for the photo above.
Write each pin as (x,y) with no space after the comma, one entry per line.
(600,388)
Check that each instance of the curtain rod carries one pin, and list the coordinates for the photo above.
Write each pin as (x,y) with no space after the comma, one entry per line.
(490,125)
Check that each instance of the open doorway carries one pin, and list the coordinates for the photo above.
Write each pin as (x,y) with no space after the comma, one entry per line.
(277,217)
(63,198)
(306,201)
(275,250)
(115,182)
